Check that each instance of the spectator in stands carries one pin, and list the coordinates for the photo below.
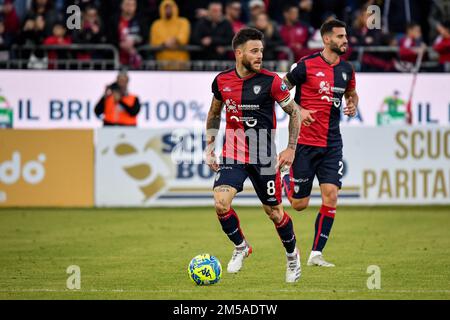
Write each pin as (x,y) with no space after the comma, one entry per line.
(45,9)
(118,106)
(305,7)
(442,45)
(171,32)
(91,32)
(214,33)
(361,36)
(21,7)
(439,11)
(193,10)
(397,15)
(33,34)
(8,15)
(315,41)
(233,15)
(321,6)
(60,38)
(412,43)
(256,8)
(5,42)
(272,37)
(127,32)
(294,33)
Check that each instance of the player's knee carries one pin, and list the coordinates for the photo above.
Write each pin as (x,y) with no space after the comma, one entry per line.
(300,204)
(330,198)
(275,213)
(222,207)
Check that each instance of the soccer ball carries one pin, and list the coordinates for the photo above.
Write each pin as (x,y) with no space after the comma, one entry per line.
(205,269)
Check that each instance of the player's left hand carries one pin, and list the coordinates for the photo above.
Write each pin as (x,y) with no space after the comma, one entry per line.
(286,158)
(350,108)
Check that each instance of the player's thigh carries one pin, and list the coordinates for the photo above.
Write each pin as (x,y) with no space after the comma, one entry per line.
(330,173)
(229,180)
(302,172)
(267,184)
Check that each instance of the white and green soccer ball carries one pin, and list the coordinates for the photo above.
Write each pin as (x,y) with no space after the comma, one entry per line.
(205,269)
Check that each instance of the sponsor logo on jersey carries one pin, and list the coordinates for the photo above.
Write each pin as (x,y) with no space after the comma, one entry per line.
(324,87)
(231,105)
(283,87)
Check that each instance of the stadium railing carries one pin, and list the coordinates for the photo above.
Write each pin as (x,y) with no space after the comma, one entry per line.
(77,57)
(431,63)
(208,65)
(106,57)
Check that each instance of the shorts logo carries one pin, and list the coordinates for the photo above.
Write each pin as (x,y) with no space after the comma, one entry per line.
(271,199)
(296,188)
(257,89)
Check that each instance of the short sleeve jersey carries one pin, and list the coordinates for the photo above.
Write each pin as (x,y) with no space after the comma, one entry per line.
(320,86)
(250,113)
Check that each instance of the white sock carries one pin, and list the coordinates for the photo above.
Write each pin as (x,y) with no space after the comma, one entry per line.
(315,253)
(293,254)
(242,244)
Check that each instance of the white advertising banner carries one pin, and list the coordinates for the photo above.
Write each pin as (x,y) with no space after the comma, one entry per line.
(162,167)
(66,99)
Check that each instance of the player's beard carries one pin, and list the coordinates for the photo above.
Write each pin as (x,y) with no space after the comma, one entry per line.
(248,65)
(336,49)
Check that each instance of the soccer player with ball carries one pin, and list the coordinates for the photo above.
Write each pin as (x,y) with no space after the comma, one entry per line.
(249,93)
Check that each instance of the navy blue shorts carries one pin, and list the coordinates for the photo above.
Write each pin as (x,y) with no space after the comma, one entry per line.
(266,181)
(310,161)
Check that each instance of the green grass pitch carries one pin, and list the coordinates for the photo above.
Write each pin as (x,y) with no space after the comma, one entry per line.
(144,254)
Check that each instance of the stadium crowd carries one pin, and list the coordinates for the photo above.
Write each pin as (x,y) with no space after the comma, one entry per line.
(168,26)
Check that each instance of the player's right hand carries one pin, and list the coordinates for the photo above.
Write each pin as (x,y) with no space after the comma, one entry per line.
(306,117)
(211,159)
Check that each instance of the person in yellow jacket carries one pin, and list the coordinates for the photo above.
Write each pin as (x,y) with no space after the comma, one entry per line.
(170,31)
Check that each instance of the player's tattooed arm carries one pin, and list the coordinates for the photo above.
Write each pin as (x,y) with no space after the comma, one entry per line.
(288,83)
(286,157)
(293,110)
(351,99)
(212,129)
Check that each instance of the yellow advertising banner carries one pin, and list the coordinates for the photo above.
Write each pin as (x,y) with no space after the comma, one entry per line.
(46,168)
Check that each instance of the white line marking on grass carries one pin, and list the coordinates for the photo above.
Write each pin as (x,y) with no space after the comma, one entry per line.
(40,290)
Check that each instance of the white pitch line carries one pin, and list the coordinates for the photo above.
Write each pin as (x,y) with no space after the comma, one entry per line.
(235,291)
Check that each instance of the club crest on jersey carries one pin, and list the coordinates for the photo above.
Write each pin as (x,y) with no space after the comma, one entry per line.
(257,89)
(344,76)
(296,188)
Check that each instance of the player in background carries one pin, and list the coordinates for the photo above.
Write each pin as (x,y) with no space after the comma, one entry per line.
(248,93)
(321,80)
